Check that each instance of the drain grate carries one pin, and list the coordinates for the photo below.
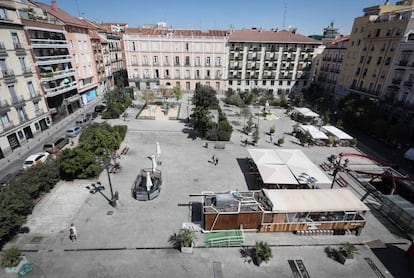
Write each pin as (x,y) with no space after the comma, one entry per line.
(298,269)
(110,212)
(374,267)
(218,273)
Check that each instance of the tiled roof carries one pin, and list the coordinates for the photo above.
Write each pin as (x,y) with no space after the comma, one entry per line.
(177,32)
(61,15)
(269,36)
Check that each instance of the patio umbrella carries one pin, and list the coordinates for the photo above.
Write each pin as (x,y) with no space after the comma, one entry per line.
(154,163)
(149,182)
(158,149)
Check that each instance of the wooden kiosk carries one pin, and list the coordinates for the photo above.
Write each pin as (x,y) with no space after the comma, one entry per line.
(282,210)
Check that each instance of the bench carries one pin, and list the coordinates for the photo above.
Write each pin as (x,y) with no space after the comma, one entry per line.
(325,166)
(220,146)
(125,150)
(113,169)
(341,181)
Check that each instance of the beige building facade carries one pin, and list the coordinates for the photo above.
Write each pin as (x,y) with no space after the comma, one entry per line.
(23,110)
(372,49)
(160,57)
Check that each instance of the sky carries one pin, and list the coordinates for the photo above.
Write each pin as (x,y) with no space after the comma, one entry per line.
(309,17)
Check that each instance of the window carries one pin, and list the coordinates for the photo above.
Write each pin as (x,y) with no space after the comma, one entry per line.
(208,61)
(361,59)
(134,59)
(166,60)
(133,46)
(157,73)
(187,85)
(177,73)
(177,60)
(187,47)
(3,13)
(31,89)
(5,119)
(388,60)
(218,74)
(208,74)
(197,74)
(16,41)
(146,73)
(379,59)
(369,59)
(36,106)
(167,74)
(197,61)
(145,60)
(187,74)
(155,60)
(187,60)
(377,32)
(23,64)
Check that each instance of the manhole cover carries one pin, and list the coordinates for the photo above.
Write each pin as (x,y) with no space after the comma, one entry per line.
(110,212)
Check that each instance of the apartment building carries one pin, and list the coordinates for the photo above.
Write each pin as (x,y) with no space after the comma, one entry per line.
(277,61)
(329,65)
(113,52)
(77,34)
(162,57)
(23,111)
(372,48)
(398,98)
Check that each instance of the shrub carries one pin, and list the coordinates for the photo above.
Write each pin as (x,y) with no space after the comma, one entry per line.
(78,163)
(11,257)
(272,130)
(184,238)
(354,142)
(281,141)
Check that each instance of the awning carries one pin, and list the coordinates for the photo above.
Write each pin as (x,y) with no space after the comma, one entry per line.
(318,200)
(265,156)
(306,112)
(314,132)
(276,174)
(336,132)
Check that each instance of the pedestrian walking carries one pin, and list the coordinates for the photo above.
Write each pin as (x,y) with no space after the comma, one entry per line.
(213,158)
(216,161)
(271,137)
(73,234)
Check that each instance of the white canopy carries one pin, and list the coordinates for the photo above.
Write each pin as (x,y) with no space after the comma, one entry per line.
(306,112)
(336,132)
(276,174)
(307,200)
(300,165)
(287,166)
(314,132)
(265,156)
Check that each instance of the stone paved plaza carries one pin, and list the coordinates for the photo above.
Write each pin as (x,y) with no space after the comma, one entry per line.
(132,240)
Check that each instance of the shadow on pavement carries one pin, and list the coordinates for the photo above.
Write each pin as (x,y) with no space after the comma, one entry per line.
(249,177)
(394,259)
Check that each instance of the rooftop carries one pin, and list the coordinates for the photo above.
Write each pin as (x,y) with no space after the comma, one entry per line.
(284,36)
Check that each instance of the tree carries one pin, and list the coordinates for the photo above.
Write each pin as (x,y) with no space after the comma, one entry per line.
(78,163)
(202,120)
(11,257)
(148,96)
(99,136)
(348,250)
(177,93)
(165,92)
(245,113)
(261,252)
(205,97)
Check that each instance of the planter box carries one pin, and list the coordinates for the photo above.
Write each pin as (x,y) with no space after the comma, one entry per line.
(343,260)
(187,250)
(17,268)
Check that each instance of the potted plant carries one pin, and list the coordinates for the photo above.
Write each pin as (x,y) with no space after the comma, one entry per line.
(347,252)
(12,260)
(259,253)
(183,240)
(281,141)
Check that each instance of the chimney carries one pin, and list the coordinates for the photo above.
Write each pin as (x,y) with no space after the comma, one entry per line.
(54,5)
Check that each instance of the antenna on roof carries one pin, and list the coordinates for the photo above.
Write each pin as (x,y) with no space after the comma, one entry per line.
(77,7)
(284,16)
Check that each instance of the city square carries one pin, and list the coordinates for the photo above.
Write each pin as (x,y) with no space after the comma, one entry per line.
(133,238)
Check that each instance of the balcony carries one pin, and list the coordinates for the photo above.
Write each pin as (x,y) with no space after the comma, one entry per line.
(23,118)
(17,100)
(49,76)
(35,96)
(51,92)
(39,112)
(3,50)
(4,106)
(8,126)
(19,49)
(403,63)
(396,81)
(408,84)
(56,59)
(9,76)
(49,43)
(27,72)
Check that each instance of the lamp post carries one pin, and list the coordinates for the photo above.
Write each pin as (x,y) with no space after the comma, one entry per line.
(337,165)
(113,201)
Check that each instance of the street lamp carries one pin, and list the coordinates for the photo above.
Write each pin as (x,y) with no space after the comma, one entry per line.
(337,165)
(113,201)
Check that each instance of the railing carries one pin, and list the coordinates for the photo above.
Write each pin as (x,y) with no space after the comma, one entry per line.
(4,104)
(56,75)
(18,45)
(8,126)
(7,72)
(17,99)
(49,43)
(61,89)
(44,60)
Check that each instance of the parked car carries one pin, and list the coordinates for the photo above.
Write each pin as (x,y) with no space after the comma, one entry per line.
(83,122)
(55,145)
(35,159)
(73,131)
(100,108)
